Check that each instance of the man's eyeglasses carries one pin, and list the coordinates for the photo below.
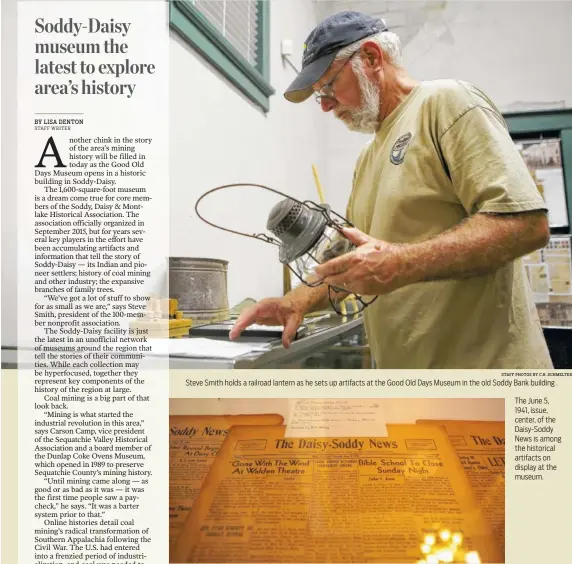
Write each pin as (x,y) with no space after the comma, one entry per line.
(327,91)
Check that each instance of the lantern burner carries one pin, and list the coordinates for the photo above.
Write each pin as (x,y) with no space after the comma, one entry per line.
(297,226)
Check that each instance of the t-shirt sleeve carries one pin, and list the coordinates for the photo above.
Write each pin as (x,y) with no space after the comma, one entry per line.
(487,172)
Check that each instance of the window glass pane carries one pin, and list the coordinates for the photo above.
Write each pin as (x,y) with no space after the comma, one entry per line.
(544,160)
(237,21)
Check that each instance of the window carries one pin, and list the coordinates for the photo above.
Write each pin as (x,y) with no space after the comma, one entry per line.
(233,35)
(549,130)
(545,141)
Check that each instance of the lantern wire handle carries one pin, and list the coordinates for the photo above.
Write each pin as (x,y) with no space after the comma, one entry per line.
(325,210)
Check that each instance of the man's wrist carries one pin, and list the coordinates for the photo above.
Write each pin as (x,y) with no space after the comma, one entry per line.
(409,266)
(306,298)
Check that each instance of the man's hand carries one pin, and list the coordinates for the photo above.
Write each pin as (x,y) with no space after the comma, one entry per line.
(288,311)
(272,311)
(477,246)
(374,268)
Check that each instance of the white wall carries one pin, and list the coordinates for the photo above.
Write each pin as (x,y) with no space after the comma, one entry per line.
(219,137)
(518,52)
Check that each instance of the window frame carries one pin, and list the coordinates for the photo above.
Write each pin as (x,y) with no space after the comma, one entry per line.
(557,123)
(197,31)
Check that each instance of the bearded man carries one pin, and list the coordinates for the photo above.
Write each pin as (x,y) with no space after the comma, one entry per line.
(443,206)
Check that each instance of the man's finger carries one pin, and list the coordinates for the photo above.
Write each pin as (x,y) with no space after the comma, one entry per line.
(245,319)
(356,236)
(341,281)
(289,331)
(335,266)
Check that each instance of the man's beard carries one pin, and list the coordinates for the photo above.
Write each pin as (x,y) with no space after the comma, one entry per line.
(365,119)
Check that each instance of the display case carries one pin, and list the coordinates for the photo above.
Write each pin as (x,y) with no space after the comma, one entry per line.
(329,341)
(332,479)
(544,139)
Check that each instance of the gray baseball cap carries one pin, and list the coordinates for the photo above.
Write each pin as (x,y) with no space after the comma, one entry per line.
(322,45)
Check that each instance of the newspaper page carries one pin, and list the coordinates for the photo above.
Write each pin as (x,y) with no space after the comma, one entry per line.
(481,449)
(194,442)
(370,499)
(92,236)
(335,418)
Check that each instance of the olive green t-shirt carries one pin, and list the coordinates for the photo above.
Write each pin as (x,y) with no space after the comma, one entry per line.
(443,155)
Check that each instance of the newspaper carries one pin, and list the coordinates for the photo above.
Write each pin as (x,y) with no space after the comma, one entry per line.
(112,115)
(272,499)
(193,445)
(481,449)
(335,418)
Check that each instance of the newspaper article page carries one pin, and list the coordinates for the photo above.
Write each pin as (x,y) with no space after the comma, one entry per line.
(194,442)
(507,434)
(285,281)
(92,211)
(481,449)
(272,498)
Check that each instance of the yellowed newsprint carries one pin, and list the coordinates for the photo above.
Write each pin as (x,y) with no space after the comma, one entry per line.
(368,499)
(194,442)
(481,449)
